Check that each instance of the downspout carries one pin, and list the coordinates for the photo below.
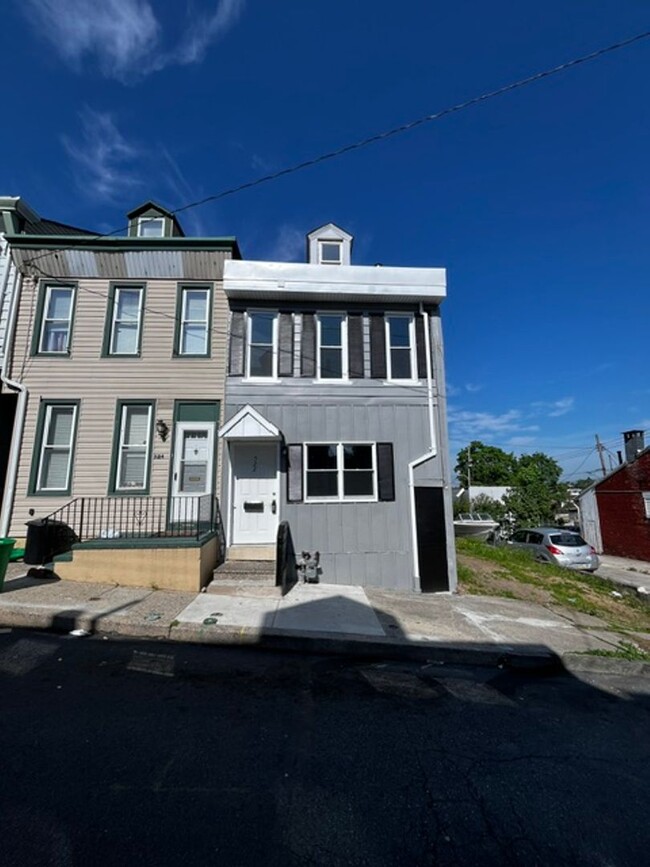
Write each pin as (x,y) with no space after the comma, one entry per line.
(21,408)
(431,452)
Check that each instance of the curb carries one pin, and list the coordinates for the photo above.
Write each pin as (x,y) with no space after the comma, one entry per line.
(544,662)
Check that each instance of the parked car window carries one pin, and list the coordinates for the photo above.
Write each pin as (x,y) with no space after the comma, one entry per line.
(519,536)
(535,539)
(567,540)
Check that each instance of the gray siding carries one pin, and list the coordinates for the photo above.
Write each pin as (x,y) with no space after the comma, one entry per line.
(361,543)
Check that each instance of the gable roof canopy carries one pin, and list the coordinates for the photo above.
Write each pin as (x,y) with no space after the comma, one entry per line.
(151,208)
(249,424)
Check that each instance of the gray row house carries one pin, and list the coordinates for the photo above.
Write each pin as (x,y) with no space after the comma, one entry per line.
(179,408)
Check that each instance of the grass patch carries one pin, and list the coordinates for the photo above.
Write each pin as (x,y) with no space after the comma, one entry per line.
(626,650)
(512,573)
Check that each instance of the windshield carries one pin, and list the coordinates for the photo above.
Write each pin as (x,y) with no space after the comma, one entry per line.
(567,540)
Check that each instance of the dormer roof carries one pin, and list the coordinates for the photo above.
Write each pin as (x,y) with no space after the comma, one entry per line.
(322,244)
(151,210)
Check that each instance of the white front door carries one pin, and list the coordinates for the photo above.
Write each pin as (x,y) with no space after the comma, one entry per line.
(255,492)
(193,468)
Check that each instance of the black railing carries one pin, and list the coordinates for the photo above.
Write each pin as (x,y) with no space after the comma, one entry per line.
(286,573)
(141,517)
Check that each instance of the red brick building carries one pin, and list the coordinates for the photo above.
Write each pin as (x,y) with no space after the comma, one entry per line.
(615,511)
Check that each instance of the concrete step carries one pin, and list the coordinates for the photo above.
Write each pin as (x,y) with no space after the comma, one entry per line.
(251,552)
(237,576)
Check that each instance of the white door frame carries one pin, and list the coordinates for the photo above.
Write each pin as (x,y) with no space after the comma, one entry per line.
(179,430)
(232,447)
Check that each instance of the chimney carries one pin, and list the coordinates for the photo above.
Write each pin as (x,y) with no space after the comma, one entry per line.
(634,444)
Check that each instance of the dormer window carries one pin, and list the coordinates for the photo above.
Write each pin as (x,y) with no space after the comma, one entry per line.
(329,252)
(151,227)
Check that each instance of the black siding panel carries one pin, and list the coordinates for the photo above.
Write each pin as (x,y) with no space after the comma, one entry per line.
(377,347)
(294,473)
(421,347)
(385,472)
(432,539)
(236,367)
(308,345)
(355,346)
(285,360)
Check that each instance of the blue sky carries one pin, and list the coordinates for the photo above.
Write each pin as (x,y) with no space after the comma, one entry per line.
(537,202)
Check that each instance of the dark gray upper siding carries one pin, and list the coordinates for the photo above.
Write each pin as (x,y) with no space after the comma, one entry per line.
(360,543)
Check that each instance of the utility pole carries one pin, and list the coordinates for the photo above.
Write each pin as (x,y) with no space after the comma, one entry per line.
(600,448)
(469,477)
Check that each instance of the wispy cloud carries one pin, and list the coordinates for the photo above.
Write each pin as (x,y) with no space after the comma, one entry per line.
(520,441)
(554,408)
(183,192)
(473,387)
(104,159)
(466,424)
(124,37)
(288,246)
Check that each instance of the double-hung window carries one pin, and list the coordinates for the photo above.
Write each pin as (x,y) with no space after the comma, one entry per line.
(126,321)
(332,346)
(262,355)
(194,321)
(340,471)
(646,503)
(55,446)
(400,344)
(133,448)
(56,322)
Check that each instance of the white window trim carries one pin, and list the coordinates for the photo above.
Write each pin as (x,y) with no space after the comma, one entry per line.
(340,498)
(116,295)
(412,347)
(334,241)
(274,347)
(646,502)
(344,347)
(43,445)
(120,448)
(144,220)
(45,318)
(184,321)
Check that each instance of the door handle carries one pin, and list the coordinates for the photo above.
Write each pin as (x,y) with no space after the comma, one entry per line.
(274,507)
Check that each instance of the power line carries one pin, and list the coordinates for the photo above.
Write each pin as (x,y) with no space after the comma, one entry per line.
(382,136)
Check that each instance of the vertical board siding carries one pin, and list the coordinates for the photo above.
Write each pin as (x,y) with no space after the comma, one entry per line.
(359,543)
(99,382)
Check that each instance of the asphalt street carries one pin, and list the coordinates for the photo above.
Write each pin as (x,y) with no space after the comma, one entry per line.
(144,753)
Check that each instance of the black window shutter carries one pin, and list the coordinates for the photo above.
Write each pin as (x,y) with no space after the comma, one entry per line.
(237,343)
(308,345)
(355,347)
(385,472)
(421,347)
(285,345)
(377,346)
(294,473)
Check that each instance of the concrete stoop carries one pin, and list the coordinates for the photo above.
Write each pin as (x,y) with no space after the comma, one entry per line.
(256,576)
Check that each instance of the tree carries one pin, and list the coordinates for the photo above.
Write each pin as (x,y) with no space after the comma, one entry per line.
(489,465)
(536,490)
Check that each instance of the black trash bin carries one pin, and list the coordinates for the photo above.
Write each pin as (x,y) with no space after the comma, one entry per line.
(46,539)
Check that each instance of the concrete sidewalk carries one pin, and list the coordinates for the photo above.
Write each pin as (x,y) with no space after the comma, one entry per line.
(310,618)
(622,570)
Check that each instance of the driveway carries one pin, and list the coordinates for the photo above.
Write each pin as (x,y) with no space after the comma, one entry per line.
(632,573)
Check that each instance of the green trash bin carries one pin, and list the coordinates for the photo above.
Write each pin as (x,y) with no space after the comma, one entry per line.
(6,547)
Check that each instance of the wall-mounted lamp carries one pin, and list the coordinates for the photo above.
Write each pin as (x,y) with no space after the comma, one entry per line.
(162,429)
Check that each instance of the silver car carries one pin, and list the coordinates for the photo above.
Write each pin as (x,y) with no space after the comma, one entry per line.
(562,547)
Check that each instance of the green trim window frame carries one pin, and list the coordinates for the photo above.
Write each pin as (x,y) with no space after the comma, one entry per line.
(400,347)
(54,319)
(340,472)
(124,320)
(193,321)
(54,447)
(132,446)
